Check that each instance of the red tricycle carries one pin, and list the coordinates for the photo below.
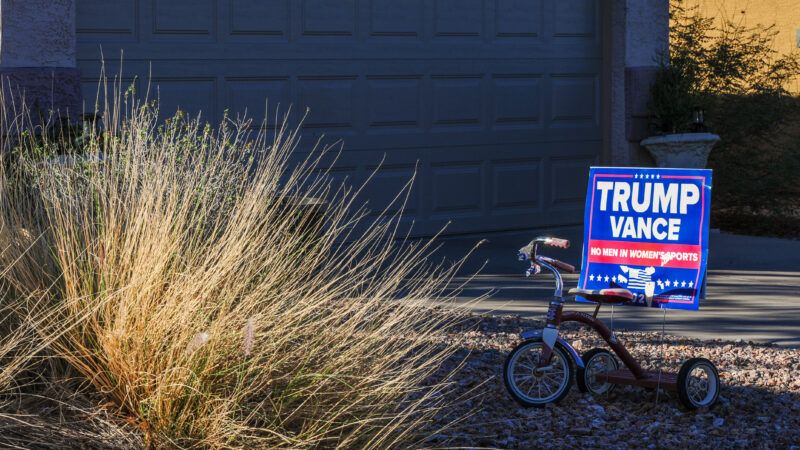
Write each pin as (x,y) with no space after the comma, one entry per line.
(542,367)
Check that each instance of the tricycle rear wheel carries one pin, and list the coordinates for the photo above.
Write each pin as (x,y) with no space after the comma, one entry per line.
(698,383)
(596,361)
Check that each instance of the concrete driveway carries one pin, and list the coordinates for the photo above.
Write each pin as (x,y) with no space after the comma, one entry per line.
(753,290)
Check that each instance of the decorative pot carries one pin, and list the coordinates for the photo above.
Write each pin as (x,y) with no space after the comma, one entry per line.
(686,150)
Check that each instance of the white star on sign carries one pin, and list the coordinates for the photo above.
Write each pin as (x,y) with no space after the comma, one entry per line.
(606,279)
(668,283)
(614,278)
(658,176)
(636,175)
(691,283)
(683,284)
(591,277)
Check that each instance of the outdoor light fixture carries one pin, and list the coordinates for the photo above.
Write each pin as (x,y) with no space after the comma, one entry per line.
(698,120)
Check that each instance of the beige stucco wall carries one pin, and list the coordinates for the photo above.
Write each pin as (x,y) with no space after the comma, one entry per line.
(784,14)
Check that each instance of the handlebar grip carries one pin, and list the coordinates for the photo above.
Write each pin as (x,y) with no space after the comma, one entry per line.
(561,265)
(556,242)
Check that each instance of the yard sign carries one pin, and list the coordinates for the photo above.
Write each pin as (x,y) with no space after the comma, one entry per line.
(646,229)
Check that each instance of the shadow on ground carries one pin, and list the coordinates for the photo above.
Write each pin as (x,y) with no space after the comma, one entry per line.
(753,290)
(759,405)
(734,308)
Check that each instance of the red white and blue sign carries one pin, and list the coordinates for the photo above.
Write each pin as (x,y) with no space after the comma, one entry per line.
(646,230)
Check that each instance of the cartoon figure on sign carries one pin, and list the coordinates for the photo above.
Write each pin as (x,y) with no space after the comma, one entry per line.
(637,278)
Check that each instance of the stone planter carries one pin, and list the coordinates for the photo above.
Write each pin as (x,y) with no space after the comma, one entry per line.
(687,150)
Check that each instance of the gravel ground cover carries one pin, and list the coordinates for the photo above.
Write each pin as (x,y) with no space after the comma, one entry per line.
(759,405)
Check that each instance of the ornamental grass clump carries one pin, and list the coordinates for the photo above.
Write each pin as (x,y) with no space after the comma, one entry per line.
(177,270)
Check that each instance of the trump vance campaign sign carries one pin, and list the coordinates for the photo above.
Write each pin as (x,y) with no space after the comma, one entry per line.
(646,230)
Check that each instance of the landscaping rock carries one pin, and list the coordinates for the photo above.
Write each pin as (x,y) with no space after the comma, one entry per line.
(759,406)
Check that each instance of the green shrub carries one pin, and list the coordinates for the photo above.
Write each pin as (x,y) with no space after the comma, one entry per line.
(732,72)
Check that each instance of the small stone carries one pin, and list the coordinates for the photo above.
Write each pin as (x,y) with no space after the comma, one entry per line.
(629,418)
(582,431)
(597,409)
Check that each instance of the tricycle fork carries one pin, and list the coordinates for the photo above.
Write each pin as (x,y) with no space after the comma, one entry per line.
(550,337)
(550,332)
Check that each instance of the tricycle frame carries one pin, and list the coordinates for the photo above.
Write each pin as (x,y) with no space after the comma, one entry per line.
(634,375)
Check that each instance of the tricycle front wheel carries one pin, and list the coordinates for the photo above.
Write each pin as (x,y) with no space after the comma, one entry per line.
(530,385)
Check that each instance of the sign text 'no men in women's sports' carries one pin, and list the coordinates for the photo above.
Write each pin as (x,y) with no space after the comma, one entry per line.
(646,230)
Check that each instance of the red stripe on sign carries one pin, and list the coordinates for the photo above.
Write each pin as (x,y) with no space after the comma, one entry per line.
(645,254)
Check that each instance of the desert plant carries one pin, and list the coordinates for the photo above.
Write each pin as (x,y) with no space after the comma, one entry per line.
(177,284)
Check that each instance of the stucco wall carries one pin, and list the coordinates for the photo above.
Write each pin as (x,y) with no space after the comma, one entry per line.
(647,32)
(37,58)
(616,36)
(784,14)
(37,33)
(639,34)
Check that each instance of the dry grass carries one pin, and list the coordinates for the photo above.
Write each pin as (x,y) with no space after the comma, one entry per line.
(168,269)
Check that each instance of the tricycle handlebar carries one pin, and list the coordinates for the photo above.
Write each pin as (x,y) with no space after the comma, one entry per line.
(556,242)
(560,265)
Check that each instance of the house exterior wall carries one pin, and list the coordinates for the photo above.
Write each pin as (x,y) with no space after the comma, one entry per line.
(37,56)
(783,14)
(37,33)
(638,33)
(38,61)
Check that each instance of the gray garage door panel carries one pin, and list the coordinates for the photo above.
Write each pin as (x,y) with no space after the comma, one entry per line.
(545,183)
(495,103)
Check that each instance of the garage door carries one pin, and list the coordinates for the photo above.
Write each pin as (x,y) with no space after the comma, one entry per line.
(494,103)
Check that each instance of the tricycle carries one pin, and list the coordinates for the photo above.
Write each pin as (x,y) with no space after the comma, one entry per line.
(541,369)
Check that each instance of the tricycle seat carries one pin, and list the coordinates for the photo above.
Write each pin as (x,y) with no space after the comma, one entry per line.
(611,295)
